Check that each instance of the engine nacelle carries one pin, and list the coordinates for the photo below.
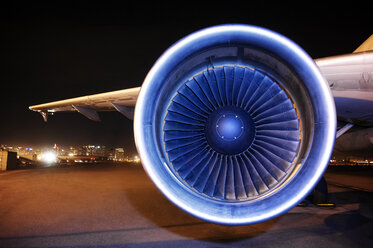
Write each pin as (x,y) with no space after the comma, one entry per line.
(235,124)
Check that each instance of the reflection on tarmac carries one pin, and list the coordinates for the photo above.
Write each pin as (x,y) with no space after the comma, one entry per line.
(111,206)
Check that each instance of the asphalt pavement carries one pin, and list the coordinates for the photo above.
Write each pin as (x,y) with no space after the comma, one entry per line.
(118,206)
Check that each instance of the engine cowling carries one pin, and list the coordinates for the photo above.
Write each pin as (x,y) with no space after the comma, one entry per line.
(235,124)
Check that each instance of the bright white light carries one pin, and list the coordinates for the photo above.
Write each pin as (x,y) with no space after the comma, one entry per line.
(49,157)
(71,154)
(136,159)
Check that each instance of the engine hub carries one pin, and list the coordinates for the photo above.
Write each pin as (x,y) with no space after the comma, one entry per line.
(229,127)
(234,130)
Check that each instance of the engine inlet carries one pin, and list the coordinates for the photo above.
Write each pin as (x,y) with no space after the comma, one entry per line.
(231,133)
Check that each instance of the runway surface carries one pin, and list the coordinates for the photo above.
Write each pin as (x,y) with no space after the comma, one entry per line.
(118,206)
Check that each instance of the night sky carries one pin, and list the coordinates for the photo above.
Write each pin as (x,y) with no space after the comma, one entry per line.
(58,51)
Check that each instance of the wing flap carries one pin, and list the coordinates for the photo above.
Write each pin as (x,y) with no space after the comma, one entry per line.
(88,112)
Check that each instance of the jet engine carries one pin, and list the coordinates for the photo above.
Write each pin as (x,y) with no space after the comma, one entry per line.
(235,124)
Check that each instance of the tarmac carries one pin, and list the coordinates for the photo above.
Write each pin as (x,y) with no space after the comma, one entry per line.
(118,206)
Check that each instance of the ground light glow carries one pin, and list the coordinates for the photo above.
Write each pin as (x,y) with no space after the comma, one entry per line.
(49,157)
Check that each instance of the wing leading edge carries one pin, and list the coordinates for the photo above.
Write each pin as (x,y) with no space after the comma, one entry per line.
(122,101)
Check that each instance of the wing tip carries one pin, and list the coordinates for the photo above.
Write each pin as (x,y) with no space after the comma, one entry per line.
(33,108)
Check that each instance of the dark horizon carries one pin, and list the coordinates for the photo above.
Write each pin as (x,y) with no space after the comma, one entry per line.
(53,52)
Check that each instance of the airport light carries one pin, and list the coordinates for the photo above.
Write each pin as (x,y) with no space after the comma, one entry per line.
(136,159)
(49,157)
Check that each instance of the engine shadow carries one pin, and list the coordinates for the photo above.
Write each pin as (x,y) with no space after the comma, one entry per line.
(353,226)
(151,204)
(346,221)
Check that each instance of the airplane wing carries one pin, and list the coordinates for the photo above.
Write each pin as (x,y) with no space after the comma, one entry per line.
(350,78)
(122,101)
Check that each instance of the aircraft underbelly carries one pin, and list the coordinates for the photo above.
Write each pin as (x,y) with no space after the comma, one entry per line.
(354,110)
